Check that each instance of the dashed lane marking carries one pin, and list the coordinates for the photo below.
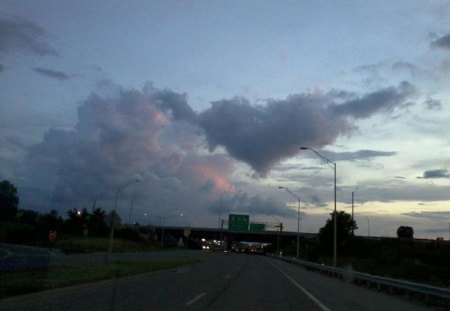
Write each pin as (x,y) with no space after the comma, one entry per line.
(195,299)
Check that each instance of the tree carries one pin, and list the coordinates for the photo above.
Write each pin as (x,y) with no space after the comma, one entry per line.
(96,223)
(405,232)
(82,222)
(345,224)
(50,222)
(77,221)
(9,200)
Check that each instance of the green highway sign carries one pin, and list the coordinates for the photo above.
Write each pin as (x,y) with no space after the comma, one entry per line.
(238,223)
(254,227)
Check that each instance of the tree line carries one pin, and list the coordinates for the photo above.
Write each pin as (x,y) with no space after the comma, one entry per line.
(27,226)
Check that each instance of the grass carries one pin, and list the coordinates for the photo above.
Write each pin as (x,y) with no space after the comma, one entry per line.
(24,282)
(93,244)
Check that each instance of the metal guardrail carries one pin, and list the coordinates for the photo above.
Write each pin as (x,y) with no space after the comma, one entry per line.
(379,281)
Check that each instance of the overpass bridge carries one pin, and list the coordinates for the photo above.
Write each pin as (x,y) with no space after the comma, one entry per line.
(271,237)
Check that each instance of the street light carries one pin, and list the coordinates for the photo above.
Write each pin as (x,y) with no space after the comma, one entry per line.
(298,218)
(333,166)
(113,213)
(353,204)
(220,208)
(220,221)
(131,209)
(163,219)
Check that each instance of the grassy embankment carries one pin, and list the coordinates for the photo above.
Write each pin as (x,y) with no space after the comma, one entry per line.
(24,282)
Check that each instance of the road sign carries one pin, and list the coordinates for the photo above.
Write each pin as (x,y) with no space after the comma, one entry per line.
(238,223)
(254,227)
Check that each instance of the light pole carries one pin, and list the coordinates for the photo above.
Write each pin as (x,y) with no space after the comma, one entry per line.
(220,208)
(163,219)
(333,166)
(131,209)
(353,205)
(368,227)
(220,221)
(298,219)
(113,213)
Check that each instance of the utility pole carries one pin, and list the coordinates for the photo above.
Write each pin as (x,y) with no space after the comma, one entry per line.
(280,226)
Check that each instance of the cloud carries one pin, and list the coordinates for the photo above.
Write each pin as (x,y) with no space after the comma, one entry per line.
(442,42)
(413,69)
(263,135)
(432,174)
(357,155)
(316,201)
(21,35)
(2,68)
(253,205)
(155,134)
(438,215)
(174,103)
(432,104)
(54,74)
(384,100)
(116,139)
(406,191)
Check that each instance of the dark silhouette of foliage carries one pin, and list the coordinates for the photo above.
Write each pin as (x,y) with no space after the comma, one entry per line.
(345,224)
(9,200)
(28,217)
(81,222)
(405,232)
(96,223)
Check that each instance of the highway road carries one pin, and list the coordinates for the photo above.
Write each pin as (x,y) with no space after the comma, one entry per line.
(221,282)
(21,257)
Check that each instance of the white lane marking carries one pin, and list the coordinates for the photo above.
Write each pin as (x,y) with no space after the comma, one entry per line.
(227,276)
(195,299)
(310,296)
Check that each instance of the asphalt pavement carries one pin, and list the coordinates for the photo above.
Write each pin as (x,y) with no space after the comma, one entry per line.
(221,282)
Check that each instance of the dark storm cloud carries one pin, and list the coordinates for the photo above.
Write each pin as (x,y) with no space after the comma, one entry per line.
(154,134)
(261,136)
(21,35)
(432,174)
(119,139)
(264,135)
(54,74)
(2,68)
(173,102)
(442,42)
(384,100)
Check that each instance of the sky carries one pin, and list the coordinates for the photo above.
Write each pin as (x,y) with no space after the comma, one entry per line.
(207,103)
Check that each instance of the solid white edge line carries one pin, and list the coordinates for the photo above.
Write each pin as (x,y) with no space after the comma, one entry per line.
(195,299)
(310,296)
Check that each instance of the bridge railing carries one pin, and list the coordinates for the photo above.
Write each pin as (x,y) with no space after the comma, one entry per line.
(359,277)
